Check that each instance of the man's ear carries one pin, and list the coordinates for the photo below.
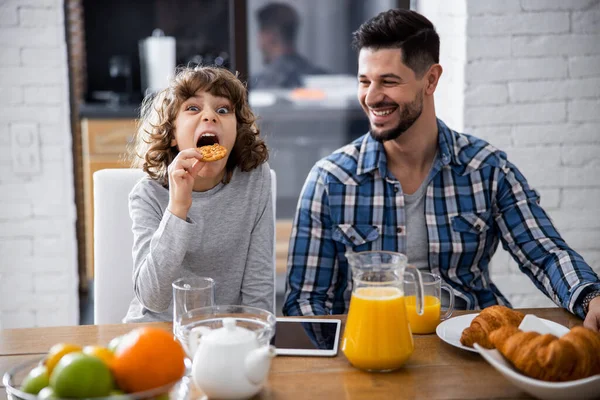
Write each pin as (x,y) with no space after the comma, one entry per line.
(432,77)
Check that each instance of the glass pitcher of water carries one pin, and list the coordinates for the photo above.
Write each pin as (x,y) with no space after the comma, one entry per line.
(377,336)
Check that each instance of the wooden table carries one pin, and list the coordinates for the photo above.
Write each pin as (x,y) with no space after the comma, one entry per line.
(436,370)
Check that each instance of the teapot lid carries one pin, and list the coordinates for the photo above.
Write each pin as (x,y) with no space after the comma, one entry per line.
(229,334)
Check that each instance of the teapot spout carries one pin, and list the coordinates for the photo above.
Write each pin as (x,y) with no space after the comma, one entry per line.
(258,362)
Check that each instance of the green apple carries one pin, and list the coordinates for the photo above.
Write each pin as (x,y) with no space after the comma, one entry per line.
(47,393)
(79,375)
(36,380)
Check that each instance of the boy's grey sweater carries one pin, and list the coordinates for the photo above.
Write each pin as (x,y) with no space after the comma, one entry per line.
(228,236)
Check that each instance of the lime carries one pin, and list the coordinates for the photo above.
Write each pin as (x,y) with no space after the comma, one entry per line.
(47,393)
(57,351)
(36,380)
(81,375)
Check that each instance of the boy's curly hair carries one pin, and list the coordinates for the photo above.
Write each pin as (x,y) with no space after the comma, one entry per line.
(152,150)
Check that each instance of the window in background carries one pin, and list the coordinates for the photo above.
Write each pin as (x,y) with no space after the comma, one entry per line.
(302,80)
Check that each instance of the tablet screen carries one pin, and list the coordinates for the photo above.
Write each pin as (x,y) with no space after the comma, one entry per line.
(306,335)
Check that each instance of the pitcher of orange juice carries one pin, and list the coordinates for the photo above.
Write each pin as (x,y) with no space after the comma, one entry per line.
(377,336)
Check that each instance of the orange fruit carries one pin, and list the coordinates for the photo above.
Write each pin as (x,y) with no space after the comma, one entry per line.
(57,351)
(148,358)
(101,352)
(114,343)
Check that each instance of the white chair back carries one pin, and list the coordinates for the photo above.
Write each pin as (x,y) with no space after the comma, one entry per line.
(113,241)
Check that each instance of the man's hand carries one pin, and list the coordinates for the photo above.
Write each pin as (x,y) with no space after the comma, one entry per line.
(592,319)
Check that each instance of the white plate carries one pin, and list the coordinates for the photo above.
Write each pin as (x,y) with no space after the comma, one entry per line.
(582,389)
(587,388)
(451,329)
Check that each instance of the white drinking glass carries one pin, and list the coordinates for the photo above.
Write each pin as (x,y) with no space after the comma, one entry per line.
(191,293)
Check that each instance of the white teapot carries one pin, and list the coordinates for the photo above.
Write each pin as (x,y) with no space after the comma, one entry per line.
(229,362)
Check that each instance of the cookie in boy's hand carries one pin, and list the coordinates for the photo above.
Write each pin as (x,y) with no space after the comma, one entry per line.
(212,152)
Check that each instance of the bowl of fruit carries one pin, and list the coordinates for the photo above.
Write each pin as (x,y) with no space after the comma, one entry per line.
(146,363)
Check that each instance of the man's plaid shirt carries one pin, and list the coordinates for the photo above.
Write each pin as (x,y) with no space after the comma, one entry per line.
(475,198)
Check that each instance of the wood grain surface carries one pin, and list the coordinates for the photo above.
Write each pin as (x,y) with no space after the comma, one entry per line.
(436,370)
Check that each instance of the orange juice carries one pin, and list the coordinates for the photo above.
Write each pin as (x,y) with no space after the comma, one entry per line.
(430,319)
(377,336)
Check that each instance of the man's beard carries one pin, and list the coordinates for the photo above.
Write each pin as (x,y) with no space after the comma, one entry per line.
(409,113)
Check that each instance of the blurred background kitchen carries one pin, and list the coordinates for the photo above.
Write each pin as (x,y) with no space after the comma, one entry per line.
(523,74)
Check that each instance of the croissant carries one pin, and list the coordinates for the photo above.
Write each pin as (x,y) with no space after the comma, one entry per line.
(575,355)
(488,320)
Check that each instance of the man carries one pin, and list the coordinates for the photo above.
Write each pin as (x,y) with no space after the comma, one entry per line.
(414,186)
(285,68)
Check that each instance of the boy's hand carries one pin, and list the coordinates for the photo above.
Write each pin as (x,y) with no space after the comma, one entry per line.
(182,172)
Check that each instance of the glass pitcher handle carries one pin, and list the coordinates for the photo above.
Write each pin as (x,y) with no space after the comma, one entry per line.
(450,309)
(418,282)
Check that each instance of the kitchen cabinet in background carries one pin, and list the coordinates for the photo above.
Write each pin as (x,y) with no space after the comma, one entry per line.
(104,145)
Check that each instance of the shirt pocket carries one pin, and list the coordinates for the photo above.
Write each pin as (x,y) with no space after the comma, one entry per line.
(358,237)
(475,223)
(471,231)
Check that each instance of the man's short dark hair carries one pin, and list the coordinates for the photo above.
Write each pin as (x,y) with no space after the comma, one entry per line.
(281,18)
(401,29)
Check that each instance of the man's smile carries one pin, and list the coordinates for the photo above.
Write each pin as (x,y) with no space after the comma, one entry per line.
(381,115)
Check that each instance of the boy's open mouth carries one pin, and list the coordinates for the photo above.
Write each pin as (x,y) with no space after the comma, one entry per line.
(207,139)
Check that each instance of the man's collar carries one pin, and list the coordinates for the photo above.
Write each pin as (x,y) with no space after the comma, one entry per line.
(372,153)
(446,144)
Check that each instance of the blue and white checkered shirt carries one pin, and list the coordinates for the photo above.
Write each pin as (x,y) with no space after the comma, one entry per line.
(475,198)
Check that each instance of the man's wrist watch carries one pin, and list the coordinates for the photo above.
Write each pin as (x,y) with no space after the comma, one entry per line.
(587,299)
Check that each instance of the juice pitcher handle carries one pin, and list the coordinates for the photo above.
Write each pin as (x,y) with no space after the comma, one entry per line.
(418,282)
(451,305)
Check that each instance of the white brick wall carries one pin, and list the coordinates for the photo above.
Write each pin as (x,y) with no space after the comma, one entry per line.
(38,264)
(531,86)
(450,19)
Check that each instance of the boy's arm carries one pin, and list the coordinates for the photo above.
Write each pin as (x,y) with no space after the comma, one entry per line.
(258,283)
(533,241)
(160,243)
(312,261)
